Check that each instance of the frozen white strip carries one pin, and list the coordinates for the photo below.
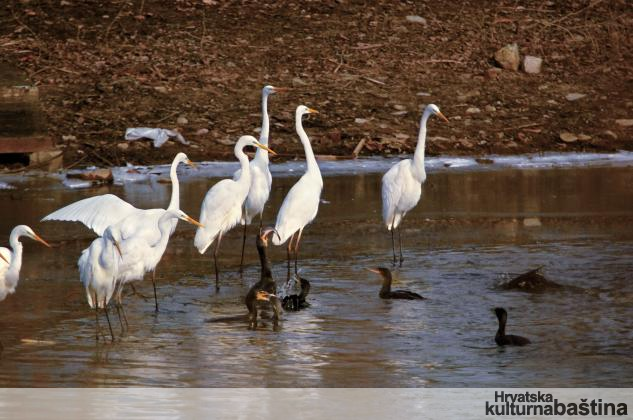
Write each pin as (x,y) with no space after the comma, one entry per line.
(315,403)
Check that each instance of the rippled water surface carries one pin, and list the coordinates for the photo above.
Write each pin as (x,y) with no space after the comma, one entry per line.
(472,230)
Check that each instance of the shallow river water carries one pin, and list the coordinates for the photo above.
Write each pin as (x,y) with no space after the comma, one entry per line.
(474,228)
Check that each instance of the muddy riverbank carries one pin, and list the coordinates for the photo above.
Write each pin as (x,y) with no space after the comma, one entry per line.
(199,66)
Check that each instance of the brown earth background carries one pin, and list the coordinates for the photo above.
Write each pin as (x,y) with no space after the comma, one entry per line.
(199,66)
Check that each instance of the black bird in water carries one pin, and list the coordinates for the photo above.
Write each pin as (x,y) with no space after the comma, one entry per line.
(254,299)
(296,292)
(263,300)
(503,339)
(385,290)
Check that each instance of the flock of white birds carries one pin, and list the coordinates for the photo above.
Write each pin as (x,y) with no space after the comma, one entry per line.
(132,241)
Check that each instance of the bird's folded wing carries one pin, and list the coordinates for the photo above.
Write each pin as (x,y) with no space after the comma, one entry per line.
(97,213)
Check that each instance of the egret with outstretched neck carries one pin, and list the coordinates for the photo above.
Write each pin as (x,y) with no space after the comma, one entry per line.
(261,179)
(402,184)
(141,255)
(223,204)
(301,205)
(11,260)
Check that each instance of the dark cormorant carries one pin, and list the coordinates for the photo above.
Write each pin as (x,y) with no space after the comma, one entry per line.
(507,340)
(386,292)
(297,289)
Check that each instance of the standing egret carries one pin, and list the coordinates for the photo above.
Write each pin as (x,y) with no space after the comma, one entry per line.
(141,254)
(222,206)
(102,211)
(261,179)
(98,268)
(11,260)
(402,184)
(301,204)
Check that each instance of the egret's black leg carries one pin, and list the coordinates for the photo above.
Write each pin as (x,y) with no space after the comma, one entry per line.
(154,284)
(400,244)
(96,303)
(289,251)
(261,220)
(105,309)
(243,246)
(297,248)
(118,312)
(393,246)
(215,263)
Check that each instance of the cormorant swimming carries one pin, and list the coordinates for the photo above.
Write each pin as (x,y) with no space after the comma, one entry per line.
(503,339)
(386,292)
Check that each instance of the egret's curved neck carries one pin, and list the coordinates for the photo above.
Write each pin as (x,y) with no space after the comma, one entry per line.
(164,225)
(245,175)
(307,147)
(261,154)
(16,257)
(418,157)
(174,203)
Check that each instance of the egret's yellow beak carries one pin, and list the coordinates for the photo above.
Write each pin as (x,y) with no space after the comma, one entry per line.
(194,222)
(5,260)
(118,248)
(373,270)
(312,111)
(439,114)
(280,89)
(38,239)
(266,148)
(190,163)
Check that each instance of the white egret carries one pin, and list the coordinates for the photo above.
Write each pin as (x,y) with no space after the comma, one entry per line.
(402,184)
(98,268)
(301,204)
(141,254)
(261,179)
(102,211)
(222,206)
(11,260)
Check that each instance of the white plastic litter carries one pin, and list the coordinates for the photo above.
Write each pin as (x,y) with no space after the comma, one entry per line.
(159,135)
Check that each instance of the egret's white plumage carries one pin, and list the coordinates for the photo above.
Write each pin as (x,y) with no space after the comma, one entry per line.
(261,179)
(222,205)
(301,204)
(141,254)
(402,184)
(101,211)
(98,267)
(11,259)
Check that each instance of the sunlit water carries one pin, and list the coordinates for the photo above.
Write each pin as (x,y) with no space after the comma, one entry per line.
(473,229)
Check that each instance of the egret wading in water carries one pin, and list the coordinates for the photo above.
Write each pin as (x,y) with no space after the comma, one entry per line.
(11,260)
(261,179)
(101,211)
(141,254)
(301,204)
(222,206)
(98,269)
(402,184)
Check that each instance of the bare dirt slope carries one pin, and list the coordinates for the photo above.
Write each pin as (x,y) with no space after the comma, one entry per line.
(194,65)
